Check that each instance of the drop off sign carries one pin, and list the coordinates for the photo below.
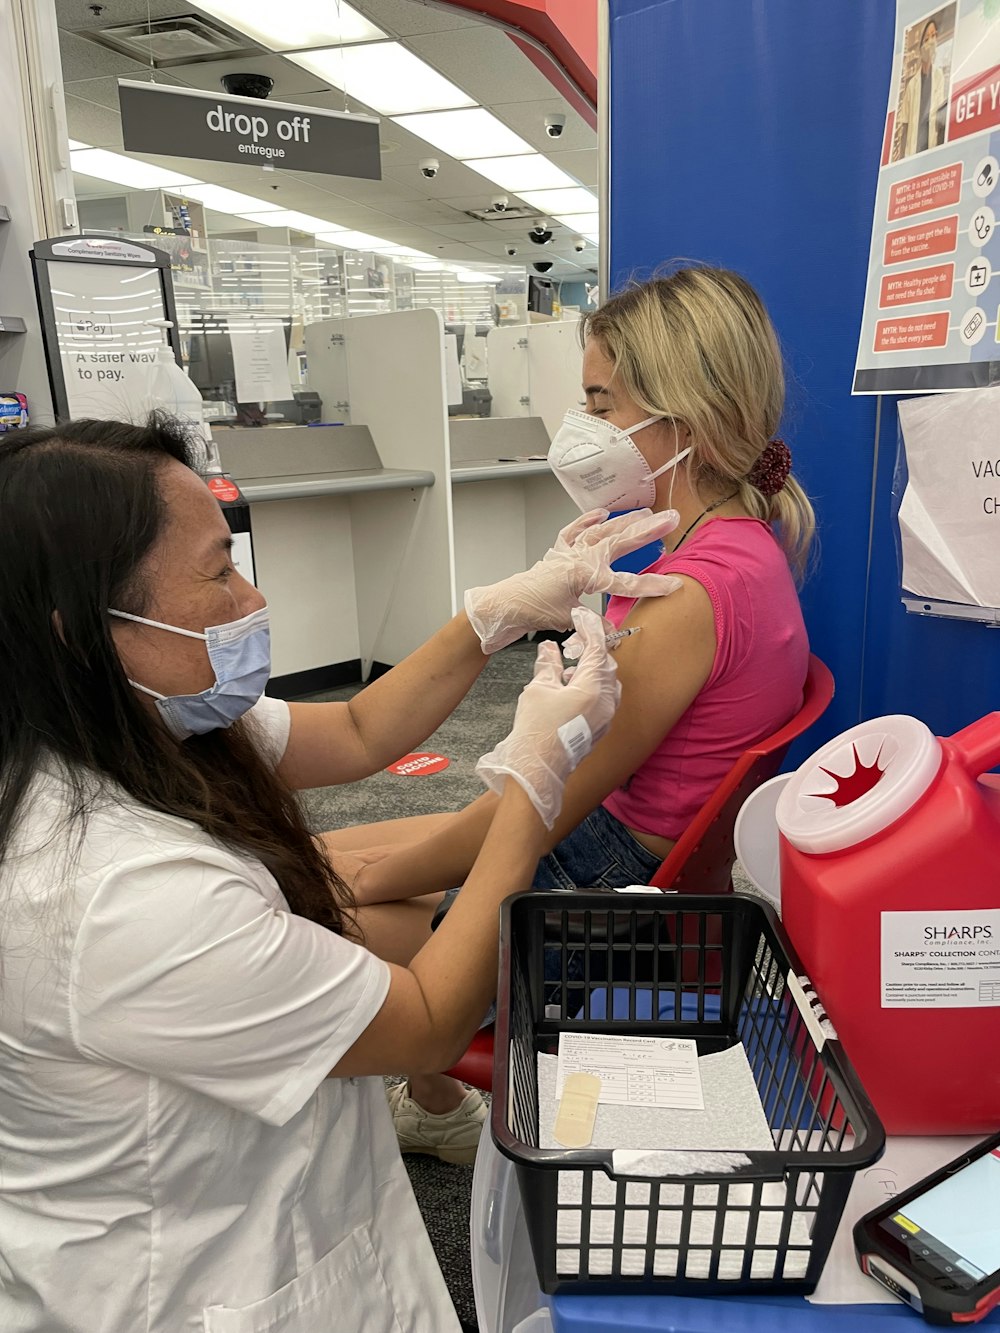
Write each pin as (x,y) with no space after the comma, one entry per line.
(179,122)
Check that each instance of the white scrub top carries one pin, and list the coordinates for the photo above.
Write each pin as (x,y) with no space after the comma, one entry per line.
(172,1154)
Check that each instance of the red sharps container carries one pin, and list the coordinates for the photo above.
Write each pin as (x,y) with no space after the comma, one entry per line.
(890,892)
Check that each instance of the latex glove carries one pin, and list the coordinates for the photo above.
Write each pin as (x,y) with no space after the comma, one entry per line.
(560,714)
(579,562)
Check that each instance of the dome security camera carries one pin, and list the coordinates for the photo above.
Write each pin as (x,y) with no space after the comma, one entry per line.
(429,167)
(542,265)
(499,203)
(555,124)
(540,233)
(511,249)
(247,85)
(579,243)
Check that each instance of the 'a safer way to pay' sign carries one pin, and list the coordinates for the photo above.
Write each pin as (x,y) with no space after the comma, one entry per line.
(182,122)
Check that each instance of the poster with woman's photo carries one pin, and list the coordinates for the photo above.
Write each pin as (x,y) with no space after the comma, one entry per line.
(921,120)
(931,319)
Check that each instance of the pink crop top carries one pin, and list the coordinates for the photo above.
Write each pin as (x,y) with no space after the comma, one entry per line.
(755,686)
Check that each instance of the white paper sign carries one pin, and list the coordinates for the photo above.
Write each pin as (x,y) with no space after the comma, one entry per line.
(260,360)
(635,1071)
(949,518)
(106,344)
(940,960)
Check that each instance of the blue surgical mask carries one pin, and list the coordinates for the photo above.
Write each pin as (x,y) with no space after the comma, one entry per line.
(240,654)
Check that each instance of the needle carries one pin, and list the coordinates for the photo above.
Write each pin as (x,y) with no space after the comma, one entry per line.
(613,639)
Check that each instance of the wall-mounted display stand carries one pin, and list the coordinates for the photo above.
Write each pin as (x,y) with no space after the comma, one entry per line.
(10,323)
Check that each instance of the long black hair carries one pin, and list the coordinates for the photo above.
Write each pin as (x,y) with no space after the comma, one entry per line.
(80,508)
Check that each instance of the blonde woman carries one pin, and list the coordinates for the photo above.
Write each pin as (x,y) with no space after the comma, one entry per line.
(683,393)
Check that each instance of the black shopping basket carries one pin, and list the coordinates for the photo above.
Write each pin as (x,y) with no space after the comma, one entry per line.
(720,970)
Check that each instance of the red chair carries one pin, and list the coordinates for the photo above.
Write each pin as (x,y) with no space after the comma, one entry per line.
(702,858)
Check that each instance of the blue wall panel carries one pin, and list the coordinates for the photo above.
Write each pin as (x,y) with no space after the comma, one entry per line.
(747,133)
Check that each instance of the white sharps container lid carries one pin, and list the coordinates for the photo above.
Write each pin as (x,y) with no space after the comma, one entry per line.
(858,784)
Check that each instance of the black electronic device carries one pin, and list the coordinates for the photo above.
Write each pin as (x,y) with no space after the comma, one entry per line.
(540,294)
(477,401)
(210,351)
(936,1246)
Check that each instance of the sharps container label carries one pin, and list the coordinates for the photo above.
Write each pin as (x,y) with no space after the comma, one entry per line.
(940,960)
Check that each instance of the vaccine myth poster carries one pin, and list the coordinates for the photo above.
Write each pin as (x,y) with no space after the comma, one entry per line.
(931,318)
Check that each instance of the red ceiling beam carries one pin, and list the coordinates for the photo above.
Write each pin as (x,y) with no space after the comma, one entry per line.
(566,29)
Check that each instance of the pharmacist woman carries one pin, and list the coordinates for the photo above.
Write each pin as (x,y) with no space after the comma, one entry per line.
(189,1139)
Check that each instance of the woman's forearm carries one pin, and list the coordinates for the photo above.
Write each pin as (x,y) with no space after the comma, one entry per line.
(401,709)
(436,1003)
(442,861)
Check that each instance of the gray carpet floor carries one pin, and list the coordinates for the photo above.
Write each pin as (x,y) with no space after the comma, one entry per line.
(484,717)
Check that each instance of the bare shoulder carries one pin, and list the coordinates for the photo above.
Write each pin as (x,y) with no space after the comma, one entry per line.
(668,662)
(686,613)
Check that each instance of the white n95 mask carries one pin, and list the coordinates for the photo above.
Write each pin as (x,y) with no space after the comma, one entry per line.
(240,654)
(600,466)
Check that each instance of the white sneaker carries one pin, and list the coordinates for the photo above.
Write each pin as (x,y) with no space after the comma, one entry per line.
(453,1137)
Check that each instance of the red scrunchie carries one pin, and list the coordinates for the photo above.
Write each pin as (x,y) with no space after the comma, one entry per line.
(772,469)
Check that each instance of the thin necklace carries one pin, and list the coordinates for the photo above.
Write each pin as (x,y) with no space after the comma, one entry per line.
(718,505)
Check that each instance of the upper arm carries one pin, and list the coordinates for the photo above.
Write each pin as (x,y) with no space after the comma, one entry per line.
(324,747)
(662,669)
(401,1038)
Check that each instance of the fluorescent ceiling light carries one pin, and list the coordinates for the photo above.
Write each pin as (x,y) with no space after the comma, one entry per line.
(385,76)
(229,201)
(526,171)
(463,134)
(75,143)
(560,202)
(288,217)
(584,223)
(353,240)
(593,237)
(293,23)
(126,170)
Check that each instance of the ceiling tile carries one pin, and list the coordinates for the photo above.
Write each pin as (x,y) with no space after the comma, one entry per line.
(406,19)
(96,125)
(104,91)
(528,120)
(72,14)
(459,231)
(485,61)
(84,59)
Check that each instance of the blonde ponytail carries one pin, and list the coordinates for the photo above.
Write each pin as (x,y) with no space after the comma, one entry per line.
(790,514)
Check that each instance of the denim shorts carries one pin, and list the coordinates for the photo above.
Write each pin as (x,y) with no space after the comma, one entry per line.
(600,853)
